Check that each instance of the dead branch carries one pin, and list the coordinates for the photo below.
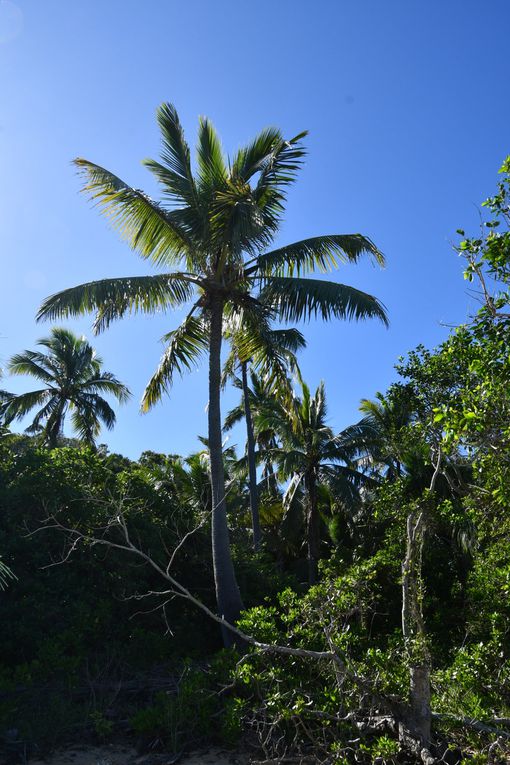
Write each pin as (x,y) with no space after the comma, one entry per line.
(177,589)
(478,725)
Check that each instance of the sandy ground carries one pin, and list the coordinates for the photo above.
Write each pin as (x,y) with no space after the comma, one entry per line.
(119,755)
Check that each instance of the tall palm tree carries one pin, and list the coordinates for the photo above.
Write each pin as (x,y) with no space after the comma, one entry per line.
(210,228)
(272,353)
(313,458)
(73,379)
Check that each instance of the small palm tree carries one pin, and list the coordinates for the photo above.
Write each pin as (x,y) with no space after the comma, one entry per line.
(73,380)
(208,234)
(314,459)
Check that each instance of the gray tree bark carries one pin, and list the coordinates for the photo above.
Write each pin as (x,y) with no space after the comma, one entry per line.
(252,467)
(415,730)
(228,597)
(312,529)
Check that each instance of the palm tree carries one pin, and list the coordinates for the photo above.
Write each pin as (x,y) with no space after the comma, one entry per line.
(260,397)
(379,436)
(314,459)
(210,228)
(73,379)
(272,353)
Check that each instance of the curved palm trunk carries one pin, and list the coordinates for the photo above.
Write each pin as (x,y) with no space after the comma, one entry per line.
(55,429)
(312,528)
(252,468)
(227,592)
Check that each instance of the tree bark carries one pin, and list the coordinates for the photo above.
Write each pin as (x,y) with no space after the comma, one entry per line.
(312,529)
(415,730)
(228,597)
(252,468)
(55,429)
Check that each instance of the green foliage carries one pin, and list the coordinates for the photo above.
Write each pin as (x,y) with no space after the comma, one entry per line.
(194,713)
(70,623)
(102,727)
(384,747)
(72,377)
(477,680)
(175,721)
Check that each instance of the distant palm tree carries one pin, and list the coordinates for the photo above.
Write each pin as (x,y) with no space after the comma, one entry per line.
(261,397)
(387,444)
(210,230)
(272,353)
(313,458)
(73,380)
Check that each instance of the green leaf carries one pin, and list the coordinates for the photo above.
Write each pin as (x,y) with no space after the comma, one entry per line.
(185,346)
(299,299)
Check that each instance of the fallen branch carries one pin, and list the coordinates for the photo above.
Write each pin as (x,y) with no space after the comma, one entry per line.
(478,725)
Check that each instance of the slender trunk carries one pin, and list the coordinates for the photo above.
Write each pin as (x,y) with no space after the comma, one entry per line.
(252,468)
(312,528)
(227,592)
(55,428)
(415,729)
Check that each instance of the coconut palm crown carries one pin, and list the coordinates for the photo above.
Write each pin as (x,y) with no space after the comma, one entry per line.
(209,236)
(73,379)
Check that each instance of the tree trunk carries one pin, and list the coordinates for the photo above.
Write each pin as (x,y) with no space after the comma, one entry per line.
(55,428)
(252,468)
(415,729)
(312,529)
(417,725)
(228,597)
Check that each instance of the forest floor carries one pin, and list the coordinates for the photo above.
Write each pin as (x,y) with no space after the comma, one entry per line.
(123,755)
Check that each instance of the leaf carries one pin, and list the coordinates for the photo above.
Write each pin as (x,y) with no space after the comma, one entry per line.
(143,223)
(113,298)
(299,299)
(323,253)
(185,346)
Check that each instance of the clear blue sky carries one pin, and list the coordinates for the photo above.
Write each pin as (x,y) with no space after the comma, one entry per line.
(407,104)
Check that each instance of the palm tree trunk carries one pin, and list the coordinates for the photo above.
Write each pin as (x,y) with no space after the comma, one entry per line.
(55,428)
(252,468)
(312,529)
(227,592)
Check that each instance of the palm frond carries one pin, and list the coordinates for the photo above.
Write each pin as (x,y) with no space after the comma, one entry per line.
(233,417)
(212,170)
(106,382)
(297,299)
(290,492)
(86,425)
(185,346)
(16,407)
(291,339)
(93,407)
(113,298)
(44,419)
(254,157)
(5,575)
(280,168)
(319,253)
(277,170)
(175,173)
(143,223)
(31,363)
